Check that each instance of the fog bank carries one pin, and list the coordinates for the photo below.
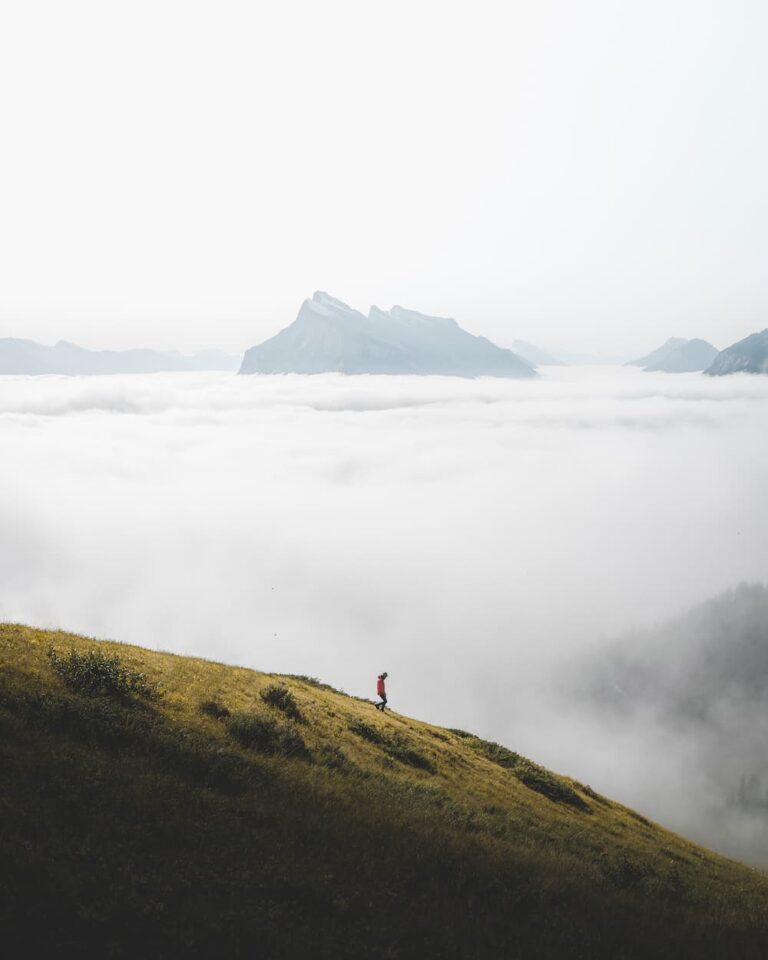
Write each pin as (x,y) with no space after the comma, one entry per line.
(466,536)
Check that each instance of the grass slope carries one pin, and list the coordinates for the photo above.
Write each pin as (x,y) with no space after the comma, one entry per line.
(198,810)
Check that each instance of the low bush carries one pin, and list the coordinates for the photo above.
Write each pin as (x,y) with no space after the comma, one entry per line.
(214,709)
(508,759)
(399,749)
(542,781)
(393,744)
(594,795)
(99,674)
(366,731)
(266,735)
(531,774)
(281,698)
(314,682)
(333,757)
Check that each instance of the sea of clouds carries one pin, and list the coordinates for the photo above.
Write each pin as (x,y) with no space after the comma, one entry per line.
(468,536)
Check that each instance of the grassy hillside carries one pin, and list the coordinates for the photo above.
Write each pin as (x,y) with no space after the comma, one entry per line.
(161,806)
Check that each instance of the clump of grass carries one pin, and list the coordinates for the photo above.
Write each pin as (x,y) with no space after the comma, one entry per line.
(366,731)
(461,733)
(314,682)
(542,781)
(99,674)
(594,795)
(214,709)
(626,871)
(531,774)
(639,817)
(281,698)
(333,757)
(393,744)
(266,735)
(499,755)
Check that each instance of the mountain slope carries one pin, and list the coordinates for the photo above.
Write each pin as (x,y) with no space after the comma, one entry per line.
(535,355)
(25,357)
(659,354)
(186,808)
(699,683)
(690,357)
(328,336)
(678,355)
(749,355)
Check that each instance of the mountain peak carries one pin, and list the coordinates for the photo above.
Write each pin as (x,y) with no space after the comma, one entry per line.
(678,355)
(398,341)
(749,355)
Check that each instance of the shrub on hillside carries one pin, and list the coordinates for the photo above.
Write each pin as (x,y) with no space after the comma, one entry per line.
(214,709)
(314,682)
(281,698)
(266,735)
(500,755)
(542,781)
(333,757)
(531,774)
(366,731)
(393,744)
(100,674)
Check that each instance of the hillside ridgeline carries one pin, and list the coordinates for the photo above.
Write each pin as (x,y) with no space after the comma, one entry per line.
(162,806)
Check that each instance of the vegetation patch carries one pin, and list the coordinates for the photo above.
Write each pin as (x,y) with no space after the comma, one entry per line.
(266,735)
(594,795)
(214,709)
(314,682)
(531,774)
(639,817)
(393,744)
(499,755)
(100,723)
(333,757)
(281,698)
(366,731)
(542,781)
(99,674)
(438,735)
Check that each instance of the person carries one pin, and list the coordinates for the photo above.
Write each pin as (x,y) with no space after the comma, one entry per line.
(381,691)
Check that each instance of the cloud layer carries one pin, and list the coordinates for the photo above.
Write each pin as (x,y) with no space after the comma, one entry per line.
(466,536)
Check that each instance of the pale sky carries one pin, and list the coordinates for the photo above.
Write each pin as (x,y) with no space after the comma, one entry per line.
(182,174)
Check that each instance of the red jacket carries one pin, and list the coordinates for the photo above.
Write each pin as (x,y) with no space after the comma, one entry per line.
(380,690)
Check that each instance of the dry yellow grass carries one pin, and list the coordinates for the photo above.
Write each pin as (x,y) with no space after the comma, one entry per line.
(453,821)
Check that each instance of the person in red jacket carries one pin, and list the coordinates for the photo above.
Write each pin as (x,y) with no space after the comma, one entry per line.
(381,690)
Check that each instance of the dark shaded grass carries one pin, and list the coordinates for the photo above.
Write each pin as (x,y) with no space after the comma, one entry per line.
(529,773)
(266,735)
(393,743)
(281,698)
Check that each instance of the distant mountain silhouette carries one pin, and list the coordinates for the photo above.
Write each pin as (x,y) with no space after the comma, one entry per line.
(700,680)
(749,355)
(27,357)
(678,355)
(328,336)
(535,355)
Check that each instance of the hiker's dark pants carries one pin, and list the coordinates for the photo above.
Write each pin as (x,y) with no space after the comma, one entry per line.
(383,701)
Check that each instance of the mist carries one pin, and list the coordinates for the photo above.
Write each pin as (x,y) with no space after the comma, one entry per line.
(473,538)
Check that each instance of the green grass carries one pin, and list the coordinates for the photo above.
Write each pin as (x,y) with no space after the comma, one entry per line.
(207,820)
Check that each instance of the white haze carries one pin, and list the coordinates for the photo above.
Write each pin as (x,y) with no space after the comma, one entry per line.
(182,173)
(466,536)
